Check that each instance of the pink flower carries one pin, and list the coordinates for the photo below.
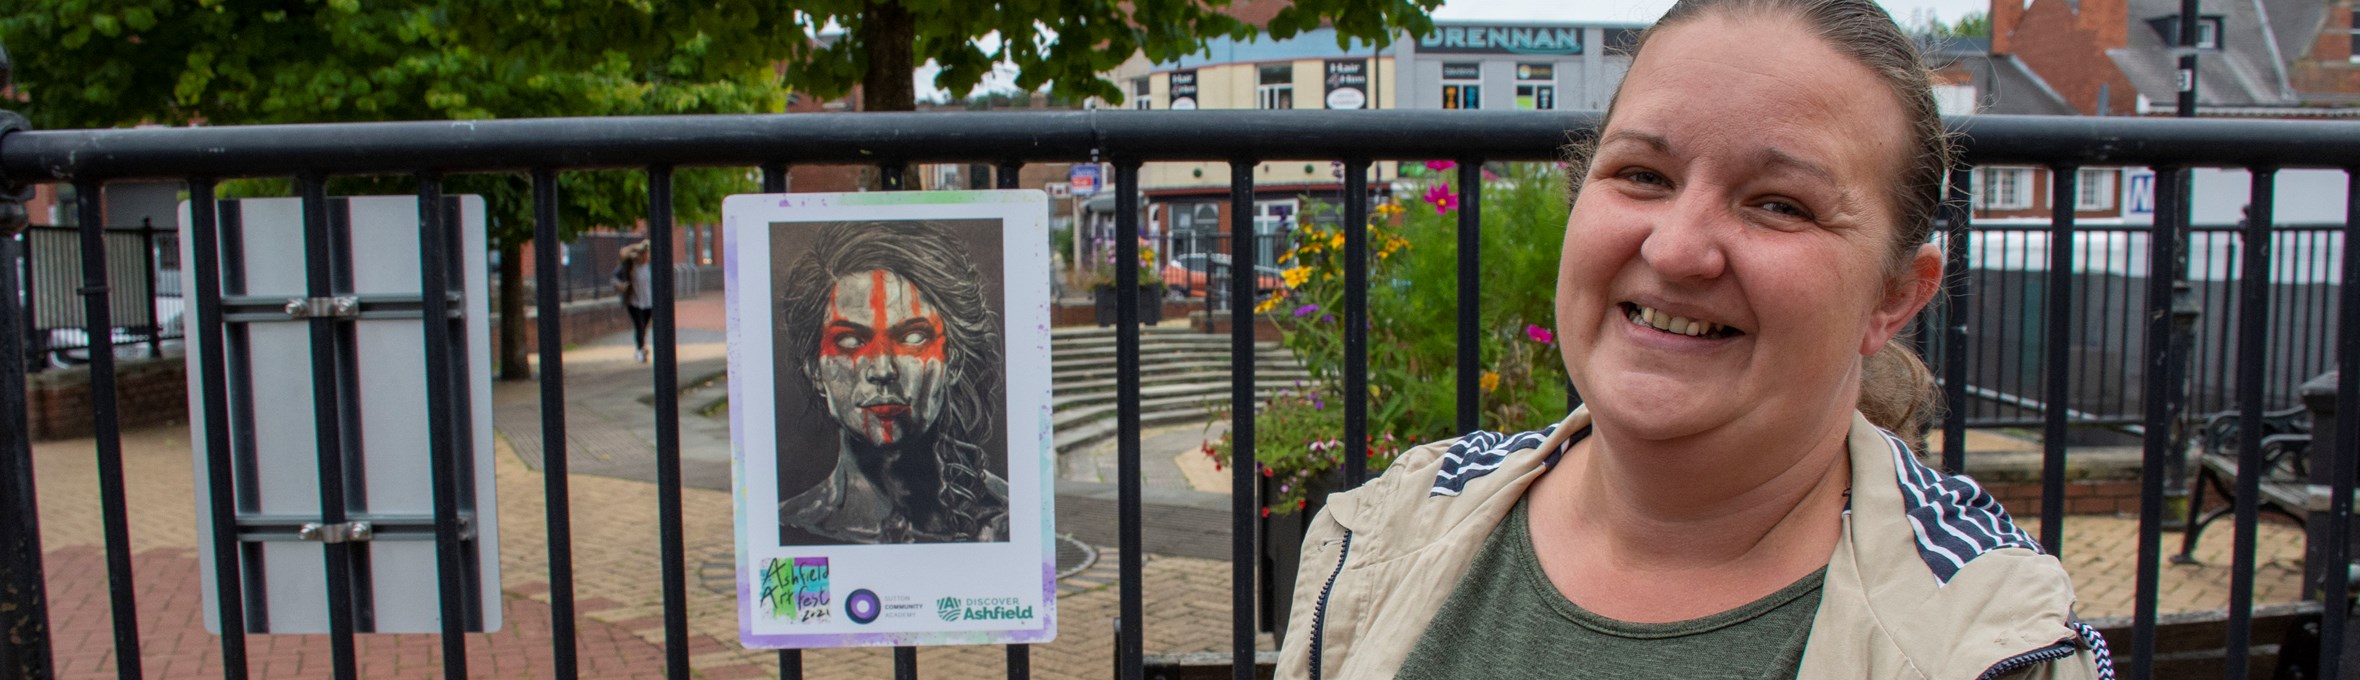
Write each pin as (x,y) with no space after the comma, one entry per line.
(1539,334)
(1440,165)
(1442,198)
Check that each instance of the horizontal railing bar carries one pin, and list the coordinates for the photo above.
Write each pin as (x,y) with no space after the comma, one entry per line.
(621,142)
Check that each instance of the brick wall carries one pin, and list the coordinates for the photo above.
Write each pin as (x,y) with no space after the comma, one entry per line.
(147,392)
(2067,47)
(2082,497)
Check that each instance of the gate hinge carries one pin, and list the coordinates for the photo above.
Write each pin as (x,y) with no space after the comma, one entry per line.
(346,307)
(347,532)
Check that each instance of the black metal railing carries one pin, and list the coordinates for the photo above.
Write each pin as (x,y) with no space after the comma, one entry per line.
(143,289)
(1127,139)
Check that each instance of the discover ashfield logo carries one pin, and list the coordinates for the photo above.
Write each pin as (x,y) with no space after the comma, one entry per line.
(983,609)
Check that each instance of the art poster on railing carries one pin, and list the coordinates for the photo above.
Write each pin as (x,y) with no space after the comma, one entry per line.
(889,417)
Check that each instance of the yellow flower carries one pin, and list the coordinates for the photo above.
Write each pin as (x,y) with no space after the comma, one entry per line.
(1336,240)
(1296,276)
(1490,381)
(1388,209)
(1269,304)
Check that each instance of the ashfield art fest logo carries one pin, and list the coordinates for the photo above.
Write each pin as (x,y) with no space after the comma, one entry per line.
(796,589)
(983,609)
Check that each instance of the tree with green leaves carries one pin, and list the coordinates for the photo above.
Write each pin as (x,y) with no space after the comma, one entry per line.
(228,62)
(1066,47)
(83,64)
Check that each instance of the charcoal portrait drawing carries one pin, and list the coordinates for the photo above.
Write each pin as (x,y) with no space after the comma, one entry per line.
(891,385)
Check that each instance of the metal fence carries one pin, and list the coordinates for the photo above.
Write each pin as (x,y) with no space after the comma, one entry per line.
(657,145)
(2005,296)
(143,290)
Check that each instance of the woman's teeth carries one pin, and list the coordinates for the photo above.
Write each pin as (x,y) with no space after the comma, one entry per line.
(1680,325)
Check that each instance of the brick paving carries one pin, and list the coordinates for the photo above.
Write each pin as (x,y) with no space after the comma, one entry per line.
(616,561)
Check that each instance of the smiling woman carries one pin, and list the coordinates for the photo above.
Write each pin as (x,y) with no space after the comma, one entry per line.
(1747,239)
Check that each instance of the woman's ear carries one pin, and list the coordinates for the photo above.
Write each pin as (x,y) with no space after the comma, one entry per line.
(1911,289)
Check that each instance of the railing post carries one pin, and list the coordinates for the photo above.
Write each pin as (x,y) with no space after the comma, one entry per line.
(24,603)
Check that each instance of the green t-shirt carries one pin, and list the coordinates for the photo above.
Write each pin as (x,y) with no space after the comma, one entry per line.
(1506,621)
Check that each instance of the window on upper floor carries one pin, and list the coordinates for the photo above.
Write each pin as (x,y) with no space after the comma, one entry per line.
(2003,188)
(1277,89)
(2093,189)
(2208,30)
(1140,98)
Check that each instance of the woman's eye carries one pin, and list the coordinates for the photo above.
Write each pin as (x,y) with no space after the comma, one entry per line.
(1786,208)
(916,337)
(848,341)
(1649,177)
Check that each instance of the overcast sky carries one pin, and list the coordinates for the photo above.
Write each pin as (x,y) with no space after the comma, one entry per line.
(1645,11)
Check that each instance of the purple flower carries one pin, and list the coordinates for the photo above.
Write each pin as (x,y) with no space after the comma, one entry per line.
(1324,318)
(1539,334)
(1306,310)
(1318,404)
(1440,165)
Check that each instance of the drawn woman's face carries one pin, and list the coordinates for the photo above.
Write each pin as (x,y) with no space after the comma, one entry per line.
(882,363)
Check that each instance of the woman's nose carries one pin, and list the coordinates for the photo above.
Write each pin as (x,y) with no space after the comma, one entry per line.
(879,371)
(1684,243)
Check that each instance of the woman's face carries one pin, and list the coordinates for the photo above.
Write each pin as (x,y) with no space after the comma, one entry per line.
(882,361)
(1726,262)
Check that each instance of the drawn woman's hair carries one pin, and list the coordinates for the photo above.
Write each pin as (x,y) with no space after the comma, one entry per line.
(924,254)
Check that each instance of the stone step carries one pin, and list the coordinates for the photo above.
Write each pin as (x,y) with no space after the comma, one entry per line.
(1075,437)
(1155,371)
(1063,351)
(1189,407)
(1064,400)
(1066,332)
(1264,376)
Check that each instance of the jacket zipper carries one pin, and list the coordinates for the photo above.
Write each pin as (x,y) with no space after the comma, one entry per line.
(2060,650)
(1319,611)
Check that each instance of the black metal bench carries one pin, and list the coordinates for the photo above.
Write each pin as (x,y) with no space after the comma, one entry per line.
(2286,489)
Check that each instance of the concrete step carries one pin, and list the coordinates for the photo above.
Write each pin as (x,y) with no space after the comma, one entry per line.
(1154,371)
(1078,436)
(1069,352)
(1159,354)
(1065,400)
(1264,376)
(1196,407)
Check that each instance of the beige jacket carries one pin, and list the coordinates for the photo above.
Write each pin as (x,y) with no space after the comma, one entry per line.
(1929,580)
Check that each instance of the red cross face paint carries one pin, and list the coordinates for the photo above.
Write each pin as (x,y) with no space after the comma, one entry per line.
(882,358)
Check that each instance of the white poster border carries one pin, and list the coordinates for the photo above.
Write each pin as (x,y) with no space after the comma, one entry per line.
(909,589)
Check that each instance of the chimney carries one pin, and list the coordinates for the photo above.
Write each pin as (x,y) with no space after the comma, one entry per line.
(2004,15)
(2108,22)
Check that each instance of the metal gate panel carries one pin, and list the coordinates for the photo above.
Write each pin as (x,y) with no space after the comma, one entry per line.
(383,377)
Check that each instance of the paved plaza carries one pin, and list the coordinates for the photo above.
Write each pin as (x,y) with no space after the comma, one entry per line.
(616,559)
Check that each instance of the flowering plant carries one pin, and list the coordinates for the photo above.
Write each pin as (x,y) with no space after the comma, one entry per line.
(1296,447)
(1102,268)
(1413,311)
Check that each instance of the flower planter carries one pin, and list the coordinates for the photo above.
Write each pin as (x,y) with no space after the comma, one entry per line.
(1282,549)
(1151,304)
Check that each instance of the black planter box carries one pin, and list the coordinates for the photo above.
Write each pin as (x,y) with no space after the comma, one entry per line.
(1282,548)
(1151,304)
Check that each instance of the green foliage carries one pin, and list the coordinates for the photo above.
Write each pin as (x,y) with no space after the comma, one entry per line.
(228,62)
(1296,441)
(1413,312)
(1066,46)
(1972,25)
